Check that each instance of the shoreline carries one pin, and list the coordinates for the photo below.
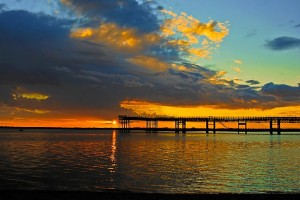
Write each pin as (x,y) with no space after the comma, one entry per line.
(124,195)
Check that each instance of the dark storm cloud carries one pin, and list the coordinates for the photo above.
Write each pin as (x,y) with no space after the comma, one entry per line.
(27,48)
(37,54)
(127,13)
(283,43)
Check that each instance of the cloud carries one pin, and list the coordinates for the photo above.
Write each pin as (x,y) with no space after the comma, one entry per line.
(129,13)
(297,26)
(34,96)
(252,33)
(2,7)
(283,43)
(151,63)
(253,82)
(35,111)
(39,56)
(238,61)
(126,40)
(237,69)
(282,91)
(29,41)
(186,33)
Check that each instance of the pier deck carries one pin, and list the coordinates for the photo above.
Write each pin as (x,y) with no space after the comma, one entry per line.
(210,123)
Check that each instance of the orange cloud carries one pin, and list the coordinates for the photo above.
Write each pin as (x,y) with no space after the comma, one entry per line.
(143,107)
(218,78)
(20,93)
(126,40)
(238,62)
(82,33)
(149,62)
(35,111)
(237,69)
(202,53)
(189,30)
(156,64)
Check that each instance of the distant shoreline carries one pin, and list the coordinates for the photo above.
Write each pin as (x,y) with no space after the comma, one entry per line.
(37,127)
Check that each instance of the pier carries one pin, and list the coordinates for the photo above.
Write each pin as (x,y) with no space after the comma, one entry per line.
(180,123)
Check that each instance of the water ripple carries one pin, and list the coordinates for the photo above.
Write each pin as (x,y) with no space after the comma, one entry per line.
(150,162)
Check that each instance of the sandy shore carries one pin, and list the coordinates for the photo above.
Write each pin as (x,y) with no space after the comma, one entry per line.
(77,195)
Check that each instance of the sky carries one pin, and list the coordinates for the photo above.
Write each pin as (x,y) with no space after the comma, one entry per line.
(81,63)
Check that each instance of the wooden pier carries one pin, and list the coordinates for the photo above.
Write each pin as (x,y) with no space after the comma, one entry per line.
(210,123)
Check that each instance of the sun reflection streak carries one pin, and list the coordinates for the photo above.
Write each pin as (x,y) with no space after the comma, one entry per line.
(113,159)
(112,168)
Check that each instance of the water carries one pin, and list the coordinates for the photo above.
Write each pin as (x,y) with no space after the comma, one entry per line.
(94,160)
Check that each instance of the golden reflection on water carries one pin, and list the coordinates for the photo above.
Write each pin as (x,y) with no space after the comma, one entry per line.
(207,163)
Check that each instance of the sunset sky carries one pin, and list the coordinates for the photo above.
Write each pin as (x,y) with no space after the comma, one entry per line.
(81,63)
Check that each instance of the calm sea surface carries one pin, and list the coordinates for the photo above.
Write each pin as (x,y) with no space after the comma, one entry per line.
(96,160)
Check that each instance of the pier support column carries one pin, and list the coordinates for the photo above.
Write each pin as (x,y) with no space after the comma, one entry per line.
(183,125)
(271,127)
(151,125)
(180,125)
(278,127)
(242,123)
(177,126)
(125,124)
(214,126)
(155,124)
(210,125)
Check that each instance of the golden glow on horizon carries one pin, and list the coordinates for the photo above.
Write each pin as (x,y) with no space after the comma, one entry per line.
(58,122)
(144,108)
(148,108)
(11,116)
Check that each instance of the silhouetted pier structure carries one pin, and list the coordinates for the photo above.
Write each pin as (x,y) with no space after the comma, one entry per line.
(210,123)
